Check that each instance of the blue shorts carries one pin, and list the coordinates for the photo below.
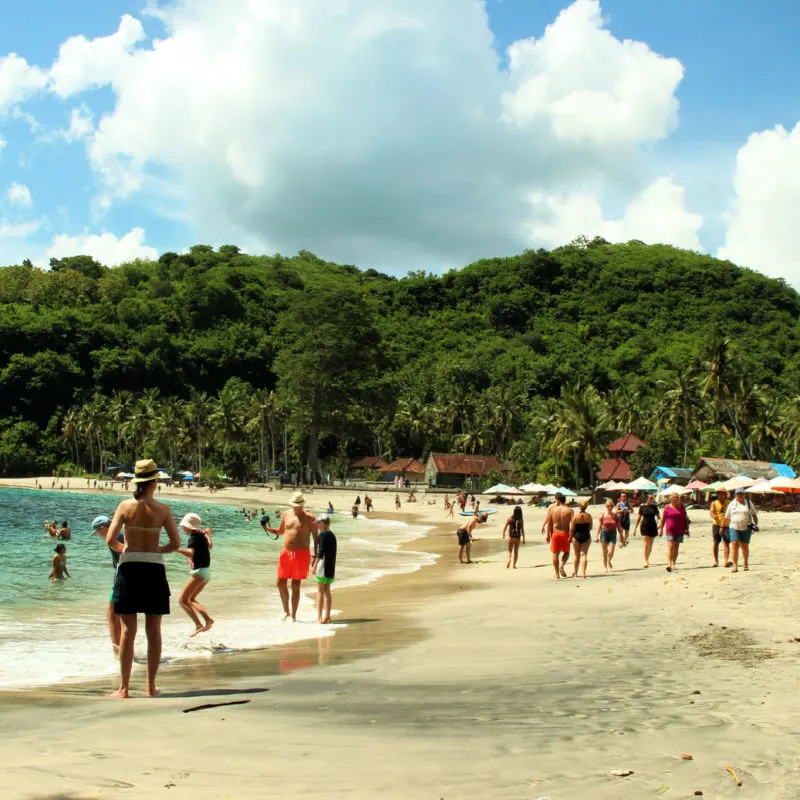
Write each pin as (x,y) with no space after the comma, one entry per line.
(675,537)
(720,534)
(608,536)
(741,536)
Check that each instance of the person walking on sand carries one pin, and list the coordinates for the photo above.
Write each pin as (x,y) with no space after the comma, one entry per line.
(516,534)
(581,537)
(198,551)
(676,522)
(558,533)
(719,529)
(58,563)
(607,529)
(623,513)
(465,538)
(100,528)
(324,564)
(648,518)
(743,520)
(297,528)
(140,585)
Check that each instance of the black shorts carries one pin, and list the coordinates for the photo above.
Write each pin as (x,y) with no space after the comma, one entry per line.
(581,537)
(720,534)
(463,536)
(652,532)
(141,588)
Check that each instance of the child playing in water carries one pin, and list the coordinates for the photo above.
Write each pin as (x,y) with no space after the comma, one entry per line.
(198,552)
(59,570)
(325,568)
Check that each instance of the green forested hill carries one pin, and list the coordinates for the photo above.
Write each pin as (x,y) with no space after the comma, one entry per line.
(242,363)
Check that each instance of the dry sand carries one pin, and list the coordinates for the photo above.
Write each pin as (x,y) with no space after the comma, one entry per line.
(469,682)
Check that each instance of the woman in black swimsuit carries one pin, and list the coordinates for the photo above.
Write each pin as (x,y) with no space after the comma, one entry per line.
(581,534)
(516,533)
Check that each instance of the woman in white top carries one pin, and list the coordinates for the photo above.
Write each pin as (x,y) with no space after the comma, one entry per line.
(742,519)
(141,584)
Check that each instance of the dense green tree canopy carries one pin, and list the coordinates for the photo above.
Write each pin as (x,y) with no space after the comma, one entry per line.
(246,363)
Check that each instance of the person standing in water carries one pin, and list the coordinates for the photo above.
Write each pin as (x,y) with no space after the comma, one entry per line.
(676,522)
(141,586)
(648,518)
(581,538)
(559,523)
(298,528)
(607,529)
(198,551)
(324,564)
(100,528)
(59,569)
(516,534)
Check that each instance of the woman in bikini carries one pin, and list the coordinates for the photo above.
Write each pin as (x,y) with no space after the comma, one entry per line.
(141,584)
(581,532)
(198,551)
(59,569)
(516,533)
(607,529)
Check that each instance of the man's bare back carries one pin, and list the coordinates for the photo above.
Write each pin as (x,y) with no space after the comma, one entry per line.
(560,518)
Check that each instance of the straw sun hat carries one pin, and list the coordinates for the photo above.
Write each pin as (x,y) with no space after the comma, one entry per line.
(298,501)
(145,471)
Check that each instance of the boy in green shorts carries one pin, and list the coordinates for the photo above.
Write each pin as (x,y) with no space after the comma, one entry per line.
(324,565)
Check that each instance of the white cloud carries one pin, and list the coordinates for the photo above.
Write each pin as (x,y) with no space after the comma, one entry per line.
(106,248)
(80,124)
(378,133)
(762,227)
(19,230)
(590,86)
(19,195)
(18,81)
(657,215)
(3,144)
(88,63)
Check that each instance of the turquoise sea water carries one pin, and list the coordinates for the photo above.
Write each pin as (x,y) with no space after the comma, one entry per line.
(52,632)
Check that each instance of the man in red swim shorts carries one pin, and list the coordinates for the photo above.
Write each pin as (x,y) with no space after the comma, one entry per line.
(297,528)
(559,523)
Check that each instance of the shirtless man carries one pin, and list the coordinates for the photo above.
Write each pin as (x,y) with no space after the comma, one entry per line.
(465,537)
(297,527)
(559,524)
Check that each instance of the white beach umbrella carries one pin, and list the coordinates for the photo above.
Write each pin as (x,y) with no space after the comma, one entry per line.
(677,490)
(501,488)
(738,482)
(643,484)
(762,487)
(532,488)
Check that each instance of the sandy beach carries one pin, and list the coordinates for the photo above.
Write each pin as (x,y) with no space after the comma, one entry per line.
(465,681)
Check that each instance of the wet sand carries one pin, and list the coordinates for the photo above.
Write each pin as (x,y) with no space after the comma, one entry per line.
(476,681)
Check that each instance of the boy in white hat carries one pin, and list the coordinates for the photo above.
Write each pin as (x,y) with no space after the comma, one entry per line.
(325,567)
(198,551)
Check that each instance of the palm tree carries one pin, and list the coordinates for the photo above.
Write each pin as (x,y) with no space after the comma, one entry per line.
(681,404)
(198,409)
(70,428)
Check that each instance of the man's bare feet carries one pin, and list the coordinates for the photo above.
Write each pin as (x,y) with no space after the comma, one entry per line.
(153,691)
(563,572)
(209,624)
(197,630)
(120,694)
(735,569)
(286,616)
(715,564)
(729,563)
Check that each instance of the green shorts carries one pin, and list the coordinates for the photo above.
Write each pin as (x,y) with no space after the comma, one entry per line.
(202,572)
(322,579)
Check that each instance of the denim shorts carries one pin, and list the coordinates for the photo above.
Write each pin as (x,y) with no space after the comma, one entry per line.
(608,536)
(675,537)
(741,536)
(720,534)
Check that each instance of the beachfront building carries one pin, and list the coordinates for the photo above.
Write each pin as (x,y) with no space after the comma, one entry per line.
(616,467)
(359,467)
(454,470)
(674,476)
(403,469)
(710,470)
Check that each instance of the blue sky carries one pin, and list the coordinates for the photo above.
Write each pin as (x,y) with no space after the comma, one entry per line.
(738,57)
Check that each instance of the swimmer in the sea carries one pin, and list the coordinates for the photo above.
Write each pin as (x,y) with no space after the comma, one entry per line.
(59,569)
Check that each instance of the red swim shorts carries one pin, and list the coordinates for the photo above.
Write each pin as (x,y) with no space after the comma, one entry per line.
(293,565)
(560,542)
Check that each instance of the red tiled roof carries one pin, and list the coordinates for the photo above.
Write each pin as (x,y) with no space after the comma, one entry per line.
(629,443)
(369,462)
(614,469)
(404,465)
(455,464)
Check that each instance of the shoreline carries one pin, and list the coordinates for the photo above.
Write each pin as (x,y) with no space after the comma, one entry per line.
(361,625)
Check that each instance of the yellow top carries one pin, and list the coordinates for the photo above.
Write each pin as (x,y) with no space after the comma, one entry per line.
(718,512)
